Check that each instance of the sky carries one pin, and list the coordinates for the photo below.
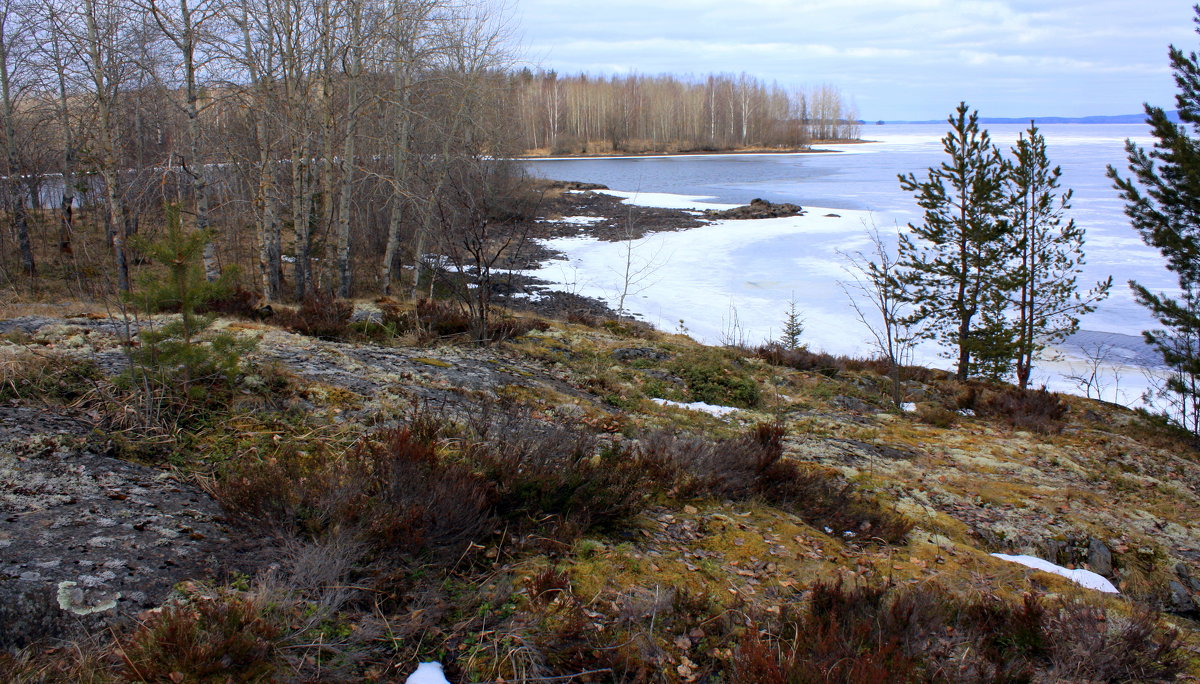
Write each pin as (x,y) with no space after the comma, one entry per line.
(895,59)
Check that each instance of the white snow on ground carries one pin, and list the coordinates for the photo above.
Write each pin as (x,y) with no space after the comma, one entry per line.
(665,200)
(1084,578)
(717,411)
(576,220)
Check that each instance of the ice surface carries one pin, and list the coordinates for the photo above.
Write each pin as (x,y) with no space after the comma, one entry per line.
(1084,578)
(731,281)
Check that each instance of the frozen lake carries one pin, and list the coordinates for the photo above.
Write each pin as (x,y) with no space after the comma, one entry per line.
(751,269)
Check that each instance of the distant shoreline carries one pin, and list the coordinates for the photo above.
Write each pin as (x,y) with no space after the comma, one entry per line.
(697,153)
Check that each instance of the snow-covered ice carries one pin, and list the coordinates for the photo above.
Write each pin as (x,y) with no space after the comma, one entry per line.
(711,409)
(1084,578)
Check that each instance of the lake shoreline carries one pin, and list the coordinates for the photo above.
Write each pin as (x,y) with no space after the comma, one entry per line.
(746,151)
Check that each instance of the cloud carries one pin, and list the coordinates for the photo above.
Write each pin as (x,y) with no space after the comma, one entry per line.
(903,58)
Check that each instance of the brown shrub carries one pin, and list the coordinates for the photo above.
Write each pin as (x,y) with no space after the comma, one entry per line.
(544,471)
(753,466)
(923,633)
(936,415)
(511,327)
(801,359)
(439,318)
(410,490)
(1090,645)
(320,315)
(46,376)
(583,318)
(236,302)
(207,640)
(1034,410)
(393,491)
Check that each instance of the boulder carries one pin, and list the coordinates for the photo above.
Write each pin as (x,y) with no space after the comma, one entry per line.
(1099,558)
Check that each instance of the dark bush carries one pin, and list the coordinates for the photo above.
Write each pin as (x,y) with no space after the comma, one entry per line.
(542,469)
(206,640)
(801,359)
(411,490)
(1034,410)
(753,466)
(236,302)
(936,415)
(320,315)
(926,634)
(54,377)
(511,327)
(393,491)
(439,318)
(583,318)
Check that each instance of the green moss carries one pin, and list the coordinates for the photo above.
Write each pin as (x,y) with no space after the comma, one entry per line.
(432,362)
(717,376)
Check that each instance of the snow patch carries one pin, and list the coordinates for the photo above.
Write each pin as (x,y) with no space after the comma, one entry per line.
(576,220)
(1084,578)
(710,409)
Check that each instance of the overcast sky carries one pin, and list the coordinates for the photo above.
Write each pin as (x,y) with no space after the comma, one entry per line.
(897,59)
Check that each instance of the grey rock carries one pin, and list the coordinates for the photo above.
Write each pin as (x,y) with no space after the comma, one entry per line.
(89,540)
(1099,558)
(1181,598)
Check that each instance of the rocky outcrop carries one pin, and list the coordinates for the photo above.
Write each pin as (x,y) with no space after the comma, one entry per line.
(757,209)
(87,540)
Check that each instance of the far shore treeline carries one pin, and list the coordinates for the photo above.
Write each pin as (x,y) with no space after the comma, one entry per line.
(632,114)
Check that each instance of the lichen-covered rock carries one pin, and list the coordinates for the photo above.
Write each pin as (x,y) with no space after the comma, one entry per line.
(87,540)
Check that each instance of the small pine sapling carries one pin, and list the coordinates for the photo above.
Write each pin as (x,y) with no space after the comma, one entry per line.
(181,361)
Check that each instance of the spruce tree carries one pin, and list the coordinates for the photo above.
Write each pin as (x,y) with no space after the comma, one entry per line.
(1162,201)
(952,267)
(793,327)
(1049,255)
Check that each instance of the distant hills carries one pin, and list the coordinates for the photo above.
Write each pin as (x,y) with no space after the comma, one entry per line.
(1117,119)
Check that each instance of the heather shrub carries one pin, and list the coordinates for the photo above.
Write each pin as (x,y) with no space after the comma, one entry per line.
(922,633)
(545,470)
(393,491)
(1033,410)
(234,302)
(203,640)
(752,466)
(801,358)
(320,315)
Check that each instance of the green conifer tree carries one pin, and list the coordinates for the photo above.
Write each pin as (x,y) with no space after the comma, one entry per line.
(793,327)
(1162,201)
(178,364)
(1049,255)
(952,267)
